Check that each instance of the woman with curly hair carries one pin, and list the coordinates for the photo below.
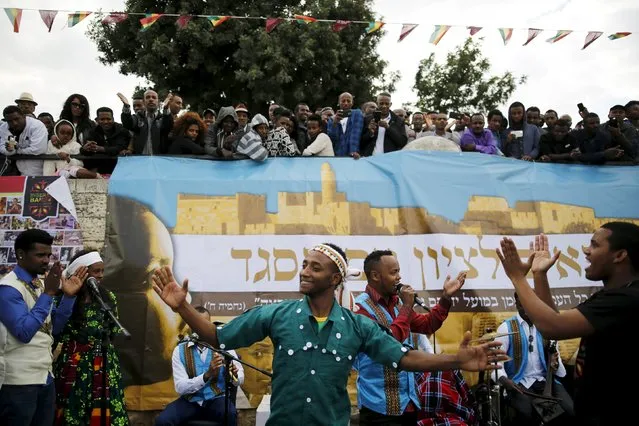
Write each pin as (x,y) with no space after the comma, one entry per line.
(188,135)
(76,110)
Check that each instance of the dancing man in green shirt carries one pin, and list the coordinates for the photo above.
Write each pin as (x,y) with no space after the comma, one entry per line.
(316,340)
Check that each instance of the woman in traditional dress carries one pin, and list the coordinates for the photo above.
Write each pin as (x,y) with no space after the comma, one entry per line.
(88,360)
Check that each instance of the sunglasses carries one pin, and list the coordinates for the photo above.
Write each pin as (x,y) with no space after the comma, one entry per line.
(77,105)
(530,344)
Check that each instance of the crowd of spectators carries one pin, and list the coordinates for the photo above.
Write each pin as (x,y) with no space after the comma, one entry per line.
(81,146)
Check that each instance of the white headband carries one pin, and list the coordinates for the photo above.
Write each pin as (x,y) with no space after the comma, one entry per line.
(339,260)
(84,260)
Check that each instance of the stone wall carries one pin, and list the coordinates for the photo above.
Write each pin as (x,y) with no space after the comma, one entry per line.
(90,199)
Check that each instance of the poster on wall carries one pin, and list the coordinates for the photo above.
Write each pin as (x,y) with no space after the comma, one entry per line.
(239,231)
(25,203)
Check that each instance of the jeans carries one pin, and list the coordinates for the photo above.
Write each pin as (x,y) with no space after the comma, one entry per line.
(181,411)
(27,405)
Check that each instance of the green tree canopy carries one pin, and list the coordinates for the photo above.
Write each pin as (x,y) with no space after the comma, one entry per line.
(238,61)
(463,82)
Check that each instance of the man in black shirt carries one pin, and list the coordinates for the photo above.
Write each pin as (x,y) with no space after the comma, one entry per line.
(607,322)
(558,145)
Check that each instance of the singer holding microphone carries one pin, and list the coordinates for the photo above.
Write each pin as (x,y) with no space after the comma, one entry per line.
(384,396)
(88,374)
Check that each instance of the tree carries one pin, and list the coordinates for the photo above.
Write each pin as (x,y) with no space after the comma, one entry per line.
(463,83)
(238,61)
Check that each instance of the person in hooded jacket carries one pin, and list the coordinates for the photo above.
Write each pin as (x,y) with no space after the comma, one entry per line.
(224,134)
(252,144)
(65,146)
(522,139)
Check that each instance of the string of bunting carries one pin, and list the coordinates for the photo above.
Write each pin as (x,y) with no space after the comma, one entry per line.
(182,21)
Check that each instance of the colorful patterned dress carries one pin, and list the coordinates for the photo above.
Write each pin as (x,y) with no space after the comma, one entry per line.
(79,370)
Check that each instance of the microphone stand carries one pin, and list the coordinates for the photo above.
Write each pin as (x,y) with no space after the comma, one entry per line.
(109,311)
(228,358)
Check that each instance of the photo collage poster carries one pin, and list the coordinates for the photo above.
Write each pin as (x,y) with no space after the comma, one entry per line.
(24,204)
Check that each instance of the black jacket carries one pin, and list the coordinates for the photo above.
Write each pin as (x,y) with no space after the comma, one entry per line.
(184,145)
(138,124)
(117,141)
(395,137)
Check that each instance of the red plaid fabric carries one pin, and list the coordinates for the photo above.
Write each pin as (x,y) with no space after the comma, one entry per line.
(446,399)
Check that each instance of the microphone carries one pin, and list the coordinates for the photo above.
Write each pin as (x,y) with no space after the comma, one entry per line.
(92,284)
(418,300)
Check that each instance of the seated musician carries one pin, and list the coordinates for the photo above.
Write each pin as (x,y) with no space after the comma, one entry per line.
(527,371)
(198,374)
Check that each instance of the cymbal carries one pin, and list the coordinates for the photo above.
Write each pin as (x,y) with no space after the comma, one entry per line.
(492,336)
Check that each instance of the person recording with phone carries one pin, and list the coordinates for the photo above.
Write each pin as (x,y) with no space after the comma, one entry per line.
(388,134)
(87,371)
(390,303)
(198,375)
(624,135)
(345,127)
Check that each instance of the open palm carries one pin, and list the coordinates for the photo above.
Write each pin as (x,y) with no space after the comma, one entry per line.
(480,357)
(542,261)
(72,285)
(164,284)
(451,286)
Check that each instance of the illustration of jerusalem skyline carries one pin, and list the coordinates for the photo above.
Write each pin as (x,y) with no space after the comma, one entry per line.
(330,213)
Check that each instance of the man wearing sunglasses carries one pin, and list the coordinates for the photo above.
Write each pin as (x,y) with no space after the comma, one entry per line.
(528,368)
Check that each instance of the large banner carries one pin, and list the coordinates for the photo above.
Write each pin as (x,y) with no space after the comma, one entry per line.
(240,230)
(29,202)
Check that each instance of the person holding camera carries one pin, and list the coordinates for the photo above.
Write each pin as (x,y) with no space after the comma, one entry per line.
(388,134)
(624,135)
(345,128)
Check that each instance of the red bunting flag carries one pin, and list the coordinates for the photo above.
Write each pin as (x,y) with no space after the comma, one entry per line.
(114,18)
(272,23)
(339,25)
(532,33)
(474,30)
(591,38)
(183,21)
(406,29)
(48,16)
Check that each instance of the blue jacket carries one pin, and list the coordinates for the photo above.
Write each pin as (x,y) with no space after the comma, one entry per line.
(346,142)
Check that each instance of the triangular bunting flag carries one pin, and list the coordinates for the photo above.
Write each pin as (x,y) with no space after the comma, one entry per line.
(506,34)
(182,21)
(271,23)
(114,18)
(591,38)
(474,30)
(532,34)
(561,34)
(615,36)
(406,29)
(339,25)
(303,19)
(439,33)
(48,16)
(149,20)
(77,17)
(374,26)
(218,20)
(15,16)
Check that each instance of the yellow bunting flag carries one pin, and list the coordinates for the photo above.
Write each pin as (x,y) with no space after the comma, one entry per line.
(149,20)
(75,18)
(374,26)
(15,16)
(439,33)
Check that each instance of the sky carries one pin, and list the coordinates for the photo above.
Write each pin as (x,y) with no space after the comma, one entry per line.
(53,65)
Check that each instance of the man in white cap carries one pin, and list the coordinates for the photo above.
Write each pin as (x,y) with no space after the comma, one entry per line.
(26,103)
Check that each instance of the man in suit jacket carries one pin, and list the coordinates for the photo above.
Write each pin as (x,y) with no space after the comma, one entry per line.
(386,134)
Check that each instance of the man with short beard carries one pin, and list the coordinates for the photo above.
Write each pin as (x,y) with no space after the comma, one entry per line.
(151,127)
(107,138)
(23,135)
(345,127)
(386,135)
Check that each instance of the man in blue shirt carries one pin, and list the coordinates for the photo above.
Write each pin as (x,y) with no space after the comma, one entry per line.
(316,340)
(28,321)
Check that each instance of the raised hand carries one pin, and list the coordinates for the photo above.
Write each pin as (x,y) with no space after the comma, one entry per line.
(52,280)
(510,260)
(168,289)
(480,357)
(72,285)
(123,98)
(451,286)
(542,261)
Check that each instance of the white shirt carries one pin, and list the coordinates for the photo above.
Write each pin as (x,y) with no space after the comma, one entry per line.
(322,146)
(32,141)
(344,123)
(381,133)
(533,370)
(184,385)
